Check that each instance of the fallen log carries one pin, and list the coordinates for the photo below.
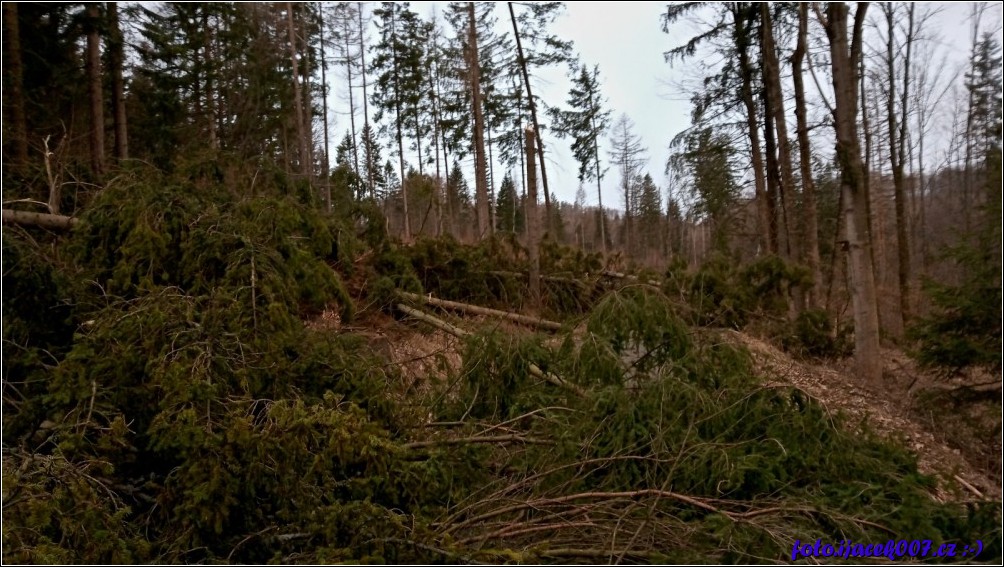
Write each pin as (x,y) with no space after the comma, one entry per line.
(556,279)
(43,220)
(535,370)
(437,323)
(468,308)
(620,276)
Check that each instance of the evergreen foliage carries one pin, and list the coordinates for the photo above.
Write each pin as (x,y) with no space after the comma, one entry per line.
(203,369)
(509,213)
(720,293)
(677,412)
(191,416)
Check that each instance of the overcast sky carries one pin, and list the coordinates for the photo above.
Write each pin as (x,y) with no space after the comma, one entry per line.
(627,42)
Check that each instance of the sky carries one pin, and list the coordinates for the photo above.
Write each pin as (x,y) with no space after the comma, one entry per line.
(626,41)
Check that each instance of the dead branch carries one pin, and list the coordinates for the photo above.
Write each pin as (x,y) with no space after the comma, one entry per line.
(606,553)
(466,307)
(43,220)
(479,439)
(520,529)
(968,486)
(437,323)
(541,502)
(695,502)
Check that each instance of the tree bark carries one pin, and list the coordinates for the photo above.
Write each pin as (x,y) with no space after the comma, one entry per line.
(809,216)
(352,100)
(208,59)
(366,112)
(772,84)
(326,174)
(406,236)
(13,96)
(533,117)
(43,220)
(478,310)
(843,58)
(773,176)
(96,92)
(767,239)
(869,146)
(897,153)
(599,180)
(480,167)
(308,104)
(532,220)
(115,59)
(301,129)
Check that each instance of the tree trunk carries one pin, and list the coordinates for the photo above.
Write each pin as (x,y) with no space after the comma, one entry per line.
(480,167)
(96,92)
(478,310)
(865,124)
(772,84)
(767,239)
(532,220)
(42,220)
(599,184)
(115,59)
(207,47)
(366,113)
(439,193)
(324,110)
(843,59)
(406,234)
(810,224)
(308,104)
(773,181)
(418,137)
(301,129)
(492,198)
(897,154)
(13,95)
(533,117)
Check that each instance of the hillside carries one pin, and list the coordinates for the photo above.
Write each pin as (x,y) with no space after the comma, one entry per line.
(244,380)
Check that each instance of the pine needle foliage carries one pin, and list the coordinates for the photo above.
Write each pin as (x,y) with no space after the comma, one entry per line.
(165,402)
(680,445)
(496,372)
(191,416)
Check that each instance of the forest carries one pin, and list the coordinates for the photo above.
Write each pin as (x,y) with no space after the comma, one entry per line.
(311,283)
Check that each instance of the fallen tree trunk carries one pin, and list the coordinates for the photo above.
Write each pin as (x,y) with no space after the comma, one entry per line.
(535,370)
(468,308)
(620,276)
(43,220)
(555,279)
(437,323)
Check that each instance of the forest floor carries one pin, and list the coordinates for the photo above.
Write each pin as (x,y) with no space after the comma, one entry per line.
(957,441)
(961,446)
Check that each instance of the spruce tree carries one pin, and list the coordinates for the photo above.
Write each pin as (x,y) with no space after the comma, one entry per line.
(508,208)
(585,121)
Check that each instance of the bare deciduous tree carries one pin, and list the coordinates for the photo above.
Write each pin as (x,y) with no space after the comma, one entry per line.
(844,53)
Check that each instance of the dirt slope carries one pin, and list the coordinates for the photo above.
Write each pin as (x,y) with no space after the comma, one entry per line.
(889,409)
